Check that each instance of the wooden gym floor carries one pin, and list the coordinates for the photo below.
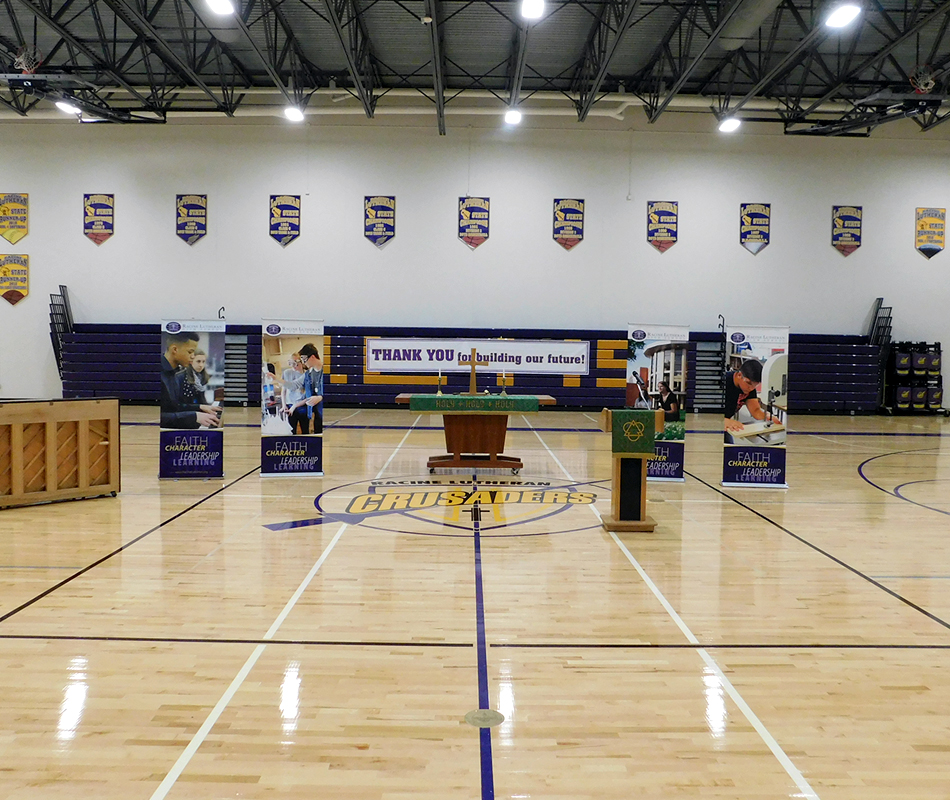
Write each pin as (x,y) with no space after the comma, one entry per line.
(233,639)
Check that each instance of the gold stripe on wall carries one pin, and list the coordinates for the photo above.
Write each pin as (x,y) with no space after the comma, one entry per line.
(572,380)
(611,383)
(612,344)
(411,380)
(338,379)
(611,363)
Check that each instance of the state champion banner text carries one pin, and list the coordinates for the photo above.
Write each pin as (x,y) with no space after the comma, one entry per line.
(455,355)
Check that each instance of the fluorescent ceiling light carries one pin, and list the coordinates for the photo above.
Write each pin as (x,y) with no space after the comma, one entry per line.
(293,113)
(532,9)
(729,124)
(221,6)
(843,15)
(512,116)
(68,108)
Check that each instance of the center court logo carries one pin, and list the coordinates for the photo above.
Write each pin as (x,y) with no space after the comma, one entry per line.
(457,506)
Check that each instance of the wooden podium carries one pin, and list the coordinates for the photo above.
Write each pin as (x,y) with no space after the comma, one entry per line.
(475,426)
(633,434)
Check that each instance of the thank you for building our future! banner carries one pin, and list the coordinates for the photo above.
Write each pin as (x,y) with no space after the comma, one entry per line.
(284,218)
(191,218)
(292,397)
(931,231)
(491,355)
(656,378)
(662,224)
(98,219)
(755,412)
(379,219)
(568,223)
(191,443)
(755,221)
(846,228)
(473,220)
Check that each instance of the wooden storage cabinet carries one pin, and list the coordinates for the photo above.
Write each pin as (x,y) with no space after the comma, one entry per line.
(58,450)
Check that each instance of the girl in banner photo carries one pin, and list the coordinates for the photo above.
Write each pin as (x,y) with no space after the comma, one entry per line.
(197,379)
(306,413)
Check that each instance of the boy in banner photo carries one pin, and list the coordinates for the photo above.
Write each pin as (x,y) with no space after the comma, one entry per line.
(743,406)
(182,406)
(302,393)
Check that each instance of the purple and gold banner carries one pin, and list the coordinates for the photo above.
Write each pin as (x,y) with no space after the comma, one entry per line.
(284,218)
(754,466)
(667,461)
(846,228)
(14,216)
(98,220)
(755,226)
(931,231)
(568,222)
(379,219)
(14,278)
(662,224)
(755,406)
(473,220)
(292,455)
(191,454)
(192,217)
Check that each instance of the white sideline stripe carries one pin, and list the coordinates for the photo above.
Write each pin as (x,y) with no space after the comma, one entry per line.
(793,772)
(198,739)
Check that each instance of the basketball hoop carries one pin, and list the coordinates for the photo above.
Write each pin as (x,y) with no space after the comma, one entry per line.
(922,79)
(28,59)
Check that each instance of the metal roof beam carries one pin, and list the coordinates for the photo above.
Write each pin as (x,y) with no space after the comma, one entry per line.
(137,22)
(434,13)
(881,54)
(605,37)
(73,42)
(356,49)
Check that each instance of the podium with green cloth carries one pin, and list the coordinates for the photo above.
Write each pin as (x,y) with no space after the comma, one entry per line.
(475,426)
(633,432)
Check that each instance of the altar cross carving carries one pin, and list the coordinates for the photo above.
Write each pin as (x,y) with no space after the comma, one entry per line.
(472,386)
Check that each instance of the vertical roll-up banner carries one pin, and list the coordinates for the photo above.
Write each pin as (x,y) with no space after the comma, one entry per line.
(755,412)
(191,440)
(292,397)
(656,378)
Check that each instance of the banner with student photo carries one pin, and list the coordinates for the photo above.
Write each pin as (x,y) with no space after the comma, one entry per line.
(191,443)
(755,411)
(292,397)
(656,378)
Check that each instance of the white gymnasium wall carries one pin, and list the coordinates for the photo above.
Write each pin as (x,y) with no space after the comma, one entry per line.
(426,277)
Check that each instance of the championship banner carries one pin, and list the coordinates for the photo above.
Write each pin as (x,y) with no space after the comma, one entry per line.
(14,278)
(656,378)
(504,356)
(473,220)
(379,219)
(192,217)
(191,442)
(754,226)
(568,222)
(98,220)
(931,231)
(284,218)
(755,412)
(662,224)
(292,397)
(14,216)
(846,228)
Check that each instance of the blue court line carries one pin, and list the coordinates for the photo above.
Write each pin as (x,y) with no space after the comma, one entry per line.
(896,492)
(484,734)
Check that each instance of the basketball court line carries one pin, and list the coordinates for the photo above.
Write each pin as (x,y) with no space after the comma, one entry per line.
(124,547)
(793,772)
(198,739)
(825,553)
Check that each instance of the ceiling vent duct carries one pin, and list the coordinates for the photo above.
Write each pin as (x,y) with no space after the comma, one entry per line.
(745,22)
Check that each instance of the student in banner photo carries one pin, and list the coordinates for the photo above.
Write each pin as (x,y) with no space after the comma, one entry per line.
(741,400)
(306,414)
(668,402)
(197,380)
(290,394)
(178,410)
